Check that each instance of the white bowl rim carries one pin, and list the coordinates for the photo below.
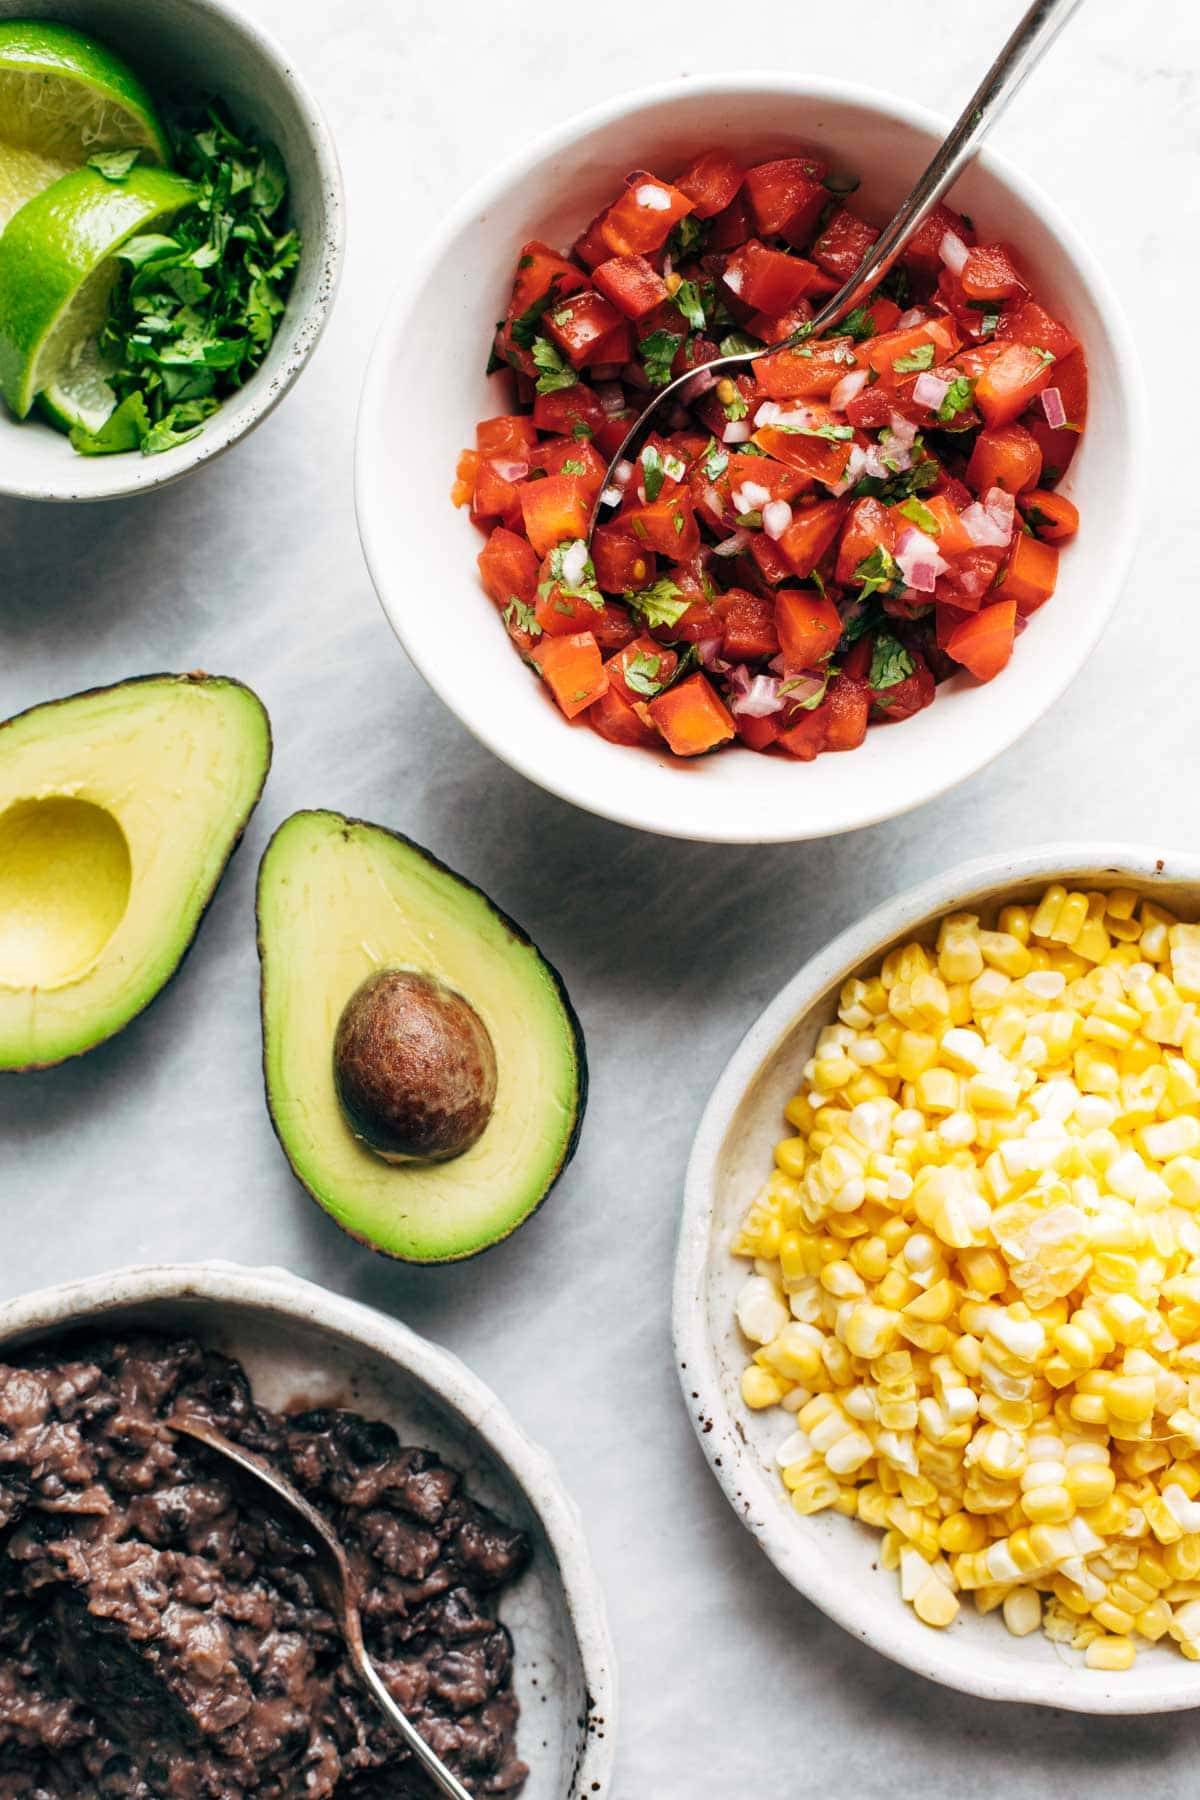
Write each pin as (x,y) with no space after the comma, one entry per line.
(243,412)
(373,410)
(72,1303)
(732,1462)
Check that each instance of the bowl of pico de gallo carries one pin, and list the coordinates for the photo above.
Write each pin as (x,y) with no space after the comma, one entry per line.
(830,586)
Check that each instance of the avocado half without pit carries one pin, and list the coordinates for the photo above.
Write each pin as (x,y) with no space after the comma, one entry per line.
(425,1072)
(119,809)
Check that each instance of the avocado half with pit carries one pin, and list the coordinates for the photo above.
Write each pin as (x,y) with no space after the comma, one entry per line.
(425,1072)
(119,809)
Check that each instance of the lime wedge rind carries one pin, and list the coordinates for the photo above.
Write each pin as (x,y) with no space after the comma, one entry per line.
(80,398)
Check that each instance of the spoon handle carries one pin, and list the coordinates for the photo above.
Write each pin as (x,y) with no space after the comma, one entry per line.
(432,1764)
(1030,41)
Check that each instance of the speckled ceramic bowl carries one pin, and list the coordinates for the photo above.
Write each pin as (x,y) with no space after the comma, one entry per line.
(298,1341)
(834,1561)
(202,47)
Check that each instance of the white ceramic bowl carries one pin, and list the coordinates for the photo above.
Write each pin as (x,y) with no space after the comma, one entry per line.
(297,1340)
(428,368)
(834,1561)
(202,47)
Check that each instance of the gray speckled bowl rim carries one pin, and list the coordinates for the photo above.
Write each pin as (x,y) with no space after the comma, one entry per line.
(866,1609)
(301,331)
(77,1303)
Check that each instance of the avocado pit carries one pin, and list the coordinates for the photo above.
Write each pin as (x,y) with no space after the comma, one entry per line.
(415,1068)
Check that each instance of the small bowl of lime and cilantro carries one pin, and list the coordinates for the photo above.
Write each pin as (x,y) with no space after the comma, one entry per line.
(168,254)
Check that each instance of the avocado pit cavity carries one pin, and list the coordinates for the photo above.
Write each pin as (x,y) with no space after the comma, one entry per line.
(415,1068)
(65,878)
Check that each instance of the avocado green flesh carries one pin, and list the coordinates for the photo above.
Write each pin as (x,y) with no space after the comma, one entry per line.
(339,899)
(118,812)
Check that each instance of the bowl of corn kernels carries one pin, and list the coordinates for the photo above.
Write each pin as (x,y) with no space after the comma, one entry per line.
(937,1303)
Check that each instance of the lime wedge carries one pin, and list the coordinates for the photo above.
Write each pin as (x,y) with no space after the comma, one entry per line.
(58,266)
(80,398)
(63,96)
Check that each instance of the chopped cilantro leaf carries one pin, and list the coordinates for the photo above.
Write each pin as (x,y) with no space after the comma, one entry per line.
(919,515)
(750,521)
(524,617)
(658,352)
(554,370)
(1047,356)
(989,322)
(640,673)
(653,473)
(525,325)
(918,359)
(739,343)
(687,299)
(860,325)
(736,408)
(957,398)
(878,573)
(583,587)
(688,236)
(583,433)
(573,467)
(661,604)
(890,663)
(916,480)
(716,460)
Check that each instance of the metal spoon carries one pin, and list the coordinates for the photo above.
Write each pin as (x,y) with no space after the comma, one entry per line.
(1024,50)
(337,1585)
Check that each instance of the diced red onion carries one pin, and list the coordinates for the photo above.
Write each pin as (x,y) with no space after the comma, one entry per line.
(679,418)
(769,413)
(930,390)
(714,502)
(802,687)
(623,473)
(918,560)
(509,470)
(709,652)
(611,395)
(847,389)
(777,665)
(953,252)
(914,316)
(989,522)
(605,372)
(653,197)
(634,376)
(611,497)
(760,697)
(904,431)
(1052,406)
(855,469)
(668,267)
(735,542)
(700,384)
(873,463)
(776,517)
(574,562)
(737,432)
(750,497)
(733,279)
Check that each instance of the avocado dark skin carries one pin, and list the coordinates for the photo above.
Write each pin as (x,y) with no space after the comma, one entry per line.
(415,1068)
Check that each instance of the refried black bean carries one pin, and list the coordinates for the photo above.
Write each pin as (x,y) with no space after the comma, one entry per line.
(160,1635)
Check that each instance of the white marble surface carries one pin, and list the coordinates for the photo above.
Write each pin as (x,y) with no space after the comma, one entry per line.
(159,1144)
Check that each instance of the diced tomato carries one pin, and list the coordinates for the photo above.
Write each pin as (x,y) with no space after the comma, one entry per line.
(806,733)
(615,429)
(496,497)
(843,244)
(622,564)
(572,669)
(654,660)
(816,458)
(758,734)
(749,633)
(1052,517)
(581,326)
(711,182)
(666,525)
(539,269)
(465,475)
(809,627)
(1010,382)
(811,532)
(634,285)
(591,248)
(773,328)
(561,615)
(809,372)
(970,577)
(555,510)
(642,219)
(1031,324)
(786,197)
(692,717)
(1058,445)
(769,559)
(1031,575)
(947,620)
(909,696)
(984,643)
(768,280)
(1005,456)
(952,536)
(513,435)
(780,482)
(508,567)
(568,412)
(698,625)
(848,709)
(990,273)
(731,227)
(573,456)
(908,346)
(924,247)
(622,723)
(870,525)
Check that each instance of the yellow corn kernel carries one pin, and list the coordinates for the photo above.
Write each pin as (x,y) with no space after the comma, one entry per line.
(1047,911)
(1122,903)
(1130,1397)
(962,1532)
(791,1155)
(1110,1653)
(1089,1484)
(934,1603)
(760,1388)
(1069,920)
(815,1494)
(1048,1505)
